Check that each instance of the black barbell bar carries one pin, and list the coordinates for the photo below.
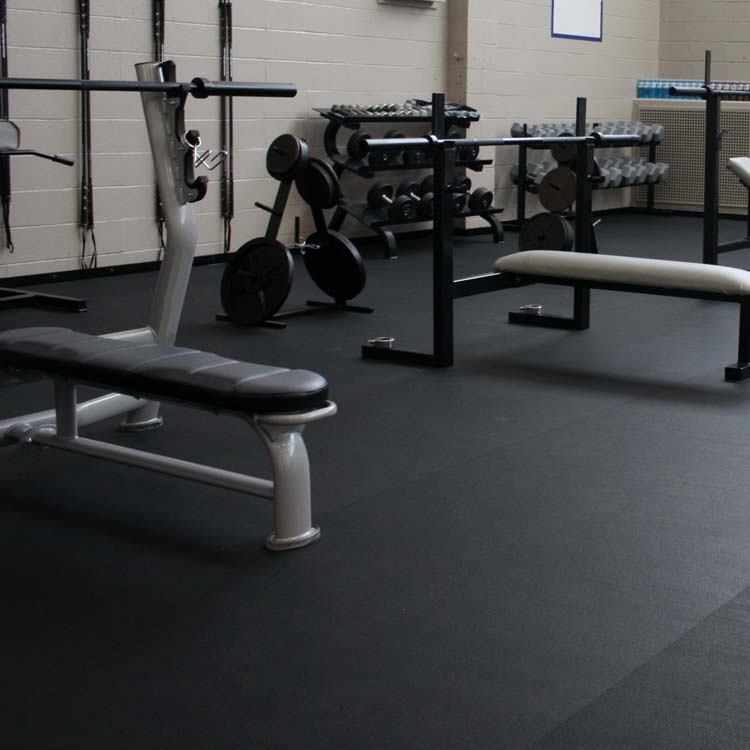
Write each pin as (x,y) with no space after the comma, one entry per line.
(200,88)
(431,141)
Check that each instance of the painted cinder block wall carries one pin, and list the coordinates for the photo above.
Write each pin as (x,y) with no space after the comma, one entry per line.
(495,54)
(690,27)
(517,72)
(337,51)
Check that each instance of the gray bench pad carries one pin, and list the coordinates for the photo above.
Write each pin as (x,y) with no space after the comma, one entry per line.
(740,165)
(166,373)
(646,272)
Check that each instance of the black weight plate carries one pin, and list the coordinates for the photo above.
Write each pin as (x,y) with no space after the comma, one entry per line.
(318,184)
(335,265)
(558,189)
(546,232)
(564,152)
(287,157)
(427,185)
(256,281)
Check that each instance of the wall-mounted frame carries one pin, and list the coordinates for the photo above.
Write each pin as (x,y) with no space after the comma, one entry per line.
(578,19)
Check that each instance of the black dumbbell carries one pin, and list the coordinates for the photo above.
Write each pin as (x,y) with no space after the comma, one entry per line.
(356,145)
(465,153)
(416,157)
(422,202)
(480,200)
(401,207)
(382,158)
(462,184)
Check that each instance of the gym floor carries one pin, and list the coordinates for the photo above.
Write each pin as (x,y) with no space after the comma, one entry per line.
(547,545)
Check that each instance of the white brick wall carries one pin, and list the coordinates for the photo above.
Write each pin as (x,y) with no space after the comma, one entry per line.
(334,51)
(497,55)
(518,72)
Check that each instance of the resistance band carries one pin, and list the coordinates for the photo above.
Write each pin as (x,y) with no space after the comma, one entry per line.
(5,187)
(87,185)
(227,123)
(159,16)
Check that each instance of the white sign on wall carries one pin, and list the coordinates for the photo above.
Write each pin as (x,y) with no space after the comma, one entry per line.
(578,19)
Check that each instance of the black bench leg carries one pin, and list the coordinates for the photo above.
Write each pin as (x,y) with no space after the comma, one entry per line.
(580,321)
(741,370)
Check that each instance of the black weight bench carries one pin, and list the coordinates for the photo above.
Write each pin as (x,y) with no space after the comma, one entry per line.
(277,402)
(626,274)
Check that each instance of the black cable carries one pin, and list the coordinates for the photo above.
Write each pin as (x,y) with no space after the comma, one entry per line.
(87,184)
(5,184)
(159,18)
(227,123)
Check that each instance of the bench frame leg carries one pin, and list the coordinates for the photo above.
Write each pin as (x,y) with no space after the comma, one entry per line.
(292,501)
(741,370)
(580,321)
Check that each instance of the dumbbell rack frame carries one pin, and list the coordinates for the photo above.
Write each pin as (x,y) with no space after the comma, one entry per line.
(517,223)
(371,218)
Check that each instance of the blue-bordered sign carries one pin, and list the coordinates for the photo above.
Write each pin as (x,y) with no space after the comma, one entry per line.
(578,19)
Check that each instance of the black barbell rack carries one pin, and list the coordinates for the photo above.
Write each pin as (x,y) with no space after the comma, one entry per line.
(712,161)
(445,288)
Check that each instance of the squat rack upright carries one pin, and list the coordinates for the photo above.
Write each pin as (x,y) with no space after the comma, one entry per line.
(712,162)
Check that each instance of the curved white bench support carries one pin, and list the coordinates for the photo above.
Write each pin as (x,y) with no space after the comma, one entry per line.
(625,274)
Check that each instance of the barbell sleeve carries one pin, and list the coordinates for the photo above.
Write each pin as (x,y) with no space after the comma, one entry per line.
(202,88)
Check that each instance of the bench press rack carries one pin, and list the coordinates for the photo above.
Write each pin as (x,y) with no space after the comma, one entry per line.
(445,288)
(143,366)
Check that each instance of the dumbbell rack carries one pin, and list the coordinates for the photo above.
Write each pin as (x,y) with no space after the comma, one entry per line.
(374,219)
(518,222)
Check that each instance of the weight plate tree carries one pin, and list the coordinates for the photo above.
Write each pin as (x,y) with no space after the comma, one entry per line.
(335,265)
(257,281)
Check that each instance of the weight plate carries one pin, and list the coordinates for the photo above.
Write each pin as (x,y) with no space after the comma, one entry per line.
(256,281)
(546,232)
(558,189)
(335,265)
(318,184)
(287,157)
(564,152)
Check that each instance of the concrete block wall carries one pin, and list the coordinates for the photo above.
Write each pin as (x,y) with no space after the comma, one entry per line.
(338,51)
(497,55)
(690,27)
(516,71)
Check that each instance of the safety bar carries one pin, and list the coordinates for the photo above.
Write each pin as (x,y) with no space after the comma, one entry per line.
(430,141)
(66,160)
(200,88)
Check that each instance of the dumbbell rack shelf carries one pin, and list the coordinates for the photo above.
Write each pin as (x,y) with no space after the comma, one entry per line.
(374,219)
(518,222)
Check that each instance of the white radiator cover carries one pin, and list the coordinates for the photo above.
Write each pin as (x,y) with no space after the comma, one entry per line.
(683,147)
